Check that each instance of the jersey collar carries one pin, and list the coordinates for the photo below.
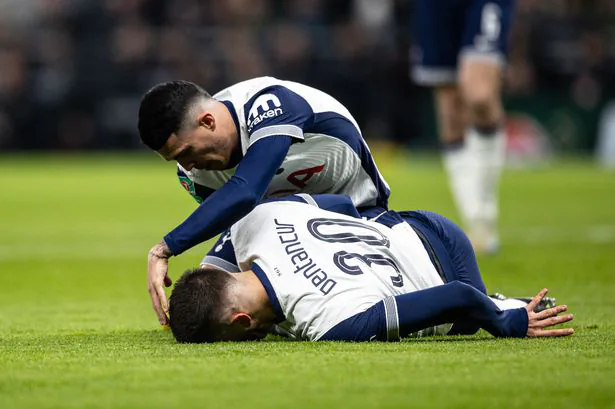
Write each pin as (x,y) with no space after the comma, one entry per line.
(273,298)
(231,109)
(236,157)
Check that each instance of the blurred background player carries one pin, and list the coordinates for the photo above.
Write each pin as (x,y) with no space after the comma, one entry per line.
(460,51)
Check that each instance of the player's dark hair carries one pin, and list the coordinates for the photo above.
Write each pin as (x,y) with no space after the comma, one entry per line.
(197,303)
(163,109)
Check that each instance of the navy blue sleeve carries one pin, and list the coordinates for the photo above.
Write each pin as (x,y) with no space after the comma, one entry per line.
(399,316)
(222,254)
(198,192)
(341,204)
(235,199)
(275,111)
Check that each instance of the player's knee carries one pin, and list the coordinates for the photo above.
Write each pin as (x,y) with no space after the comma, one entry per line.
(481,98)
(482,103)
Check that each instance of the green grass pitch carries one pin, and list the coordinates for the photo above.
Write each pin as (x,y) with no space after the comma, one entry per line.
(77,329)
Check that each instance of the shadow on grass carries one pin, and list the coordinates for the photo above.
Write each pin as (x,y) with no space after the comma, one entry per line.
(159,339)
(454,338)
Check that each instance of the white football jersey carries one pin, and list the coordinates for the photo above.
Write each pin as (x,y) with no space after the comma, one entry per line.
(329,156)
(320,268)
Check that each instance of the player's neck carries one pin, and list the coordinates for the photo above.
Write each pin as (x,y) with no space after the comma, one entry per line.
(253,298)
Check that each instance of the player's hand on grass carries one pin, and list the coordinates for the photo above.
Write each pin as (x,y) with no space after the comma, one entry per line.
(538,323)
(157,278)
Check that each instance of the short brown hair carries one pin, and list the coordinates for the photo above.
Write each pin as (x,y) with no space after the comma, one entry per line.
(197,304)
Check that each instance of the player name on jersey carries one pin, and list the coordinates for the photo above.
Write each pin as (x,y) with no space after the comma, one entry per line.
(299,258)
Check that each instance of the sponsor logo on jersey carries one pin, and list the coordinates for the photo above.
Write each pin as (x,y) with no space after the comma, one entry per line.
(264,107)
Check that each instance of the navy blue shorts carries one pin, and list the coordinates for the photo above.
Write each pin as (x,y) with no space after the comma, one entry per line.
(445,30)
(448,246)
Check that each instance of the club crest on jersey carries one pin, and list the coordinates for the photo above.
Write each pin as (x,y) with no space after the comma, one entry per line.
(264,107)
(189,186)
(225,238)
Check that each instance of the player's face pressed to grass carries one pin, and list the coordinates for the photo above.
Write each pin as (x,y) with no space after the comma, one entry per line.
(208,140)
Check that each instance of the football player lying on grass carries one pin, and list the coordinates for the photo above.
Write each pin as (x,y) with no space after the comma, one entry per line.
(323,275)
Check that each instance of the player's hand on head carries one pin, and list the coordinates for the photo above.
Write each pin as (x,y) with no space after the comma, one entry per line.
(539,323)
(157,279)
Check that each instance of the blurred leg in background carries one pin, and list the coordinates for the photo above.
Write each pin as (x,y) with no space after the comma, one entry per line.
(460,52)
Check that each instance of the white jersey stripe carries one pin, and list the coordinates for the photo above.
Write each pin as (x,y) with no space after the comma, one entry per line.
(309,199)
(392,319)
(290,130)
(220,263)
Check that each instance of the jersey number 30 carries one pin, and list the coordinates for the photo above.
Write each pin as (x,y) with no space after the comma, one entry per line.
(355,232)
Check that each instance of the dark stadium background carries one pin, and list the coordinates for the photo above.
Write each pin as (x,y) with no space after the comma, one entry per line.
(72,71)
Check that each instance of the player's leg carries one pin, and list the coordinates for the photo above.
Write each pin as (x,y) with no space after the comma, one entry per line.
(458,159)
(450,115)
(480,82)
(475,175)
(453,255)
(438,33)
(448,247)
(452,251)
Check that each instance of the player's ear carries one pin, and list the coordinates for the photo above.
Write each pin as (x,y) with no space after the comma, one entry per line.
(207,120)
(241,319)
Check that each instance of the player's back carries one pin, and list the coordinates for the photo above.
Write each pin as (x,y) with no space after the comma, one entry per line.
(243,95)
(324,267)
(330,155)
